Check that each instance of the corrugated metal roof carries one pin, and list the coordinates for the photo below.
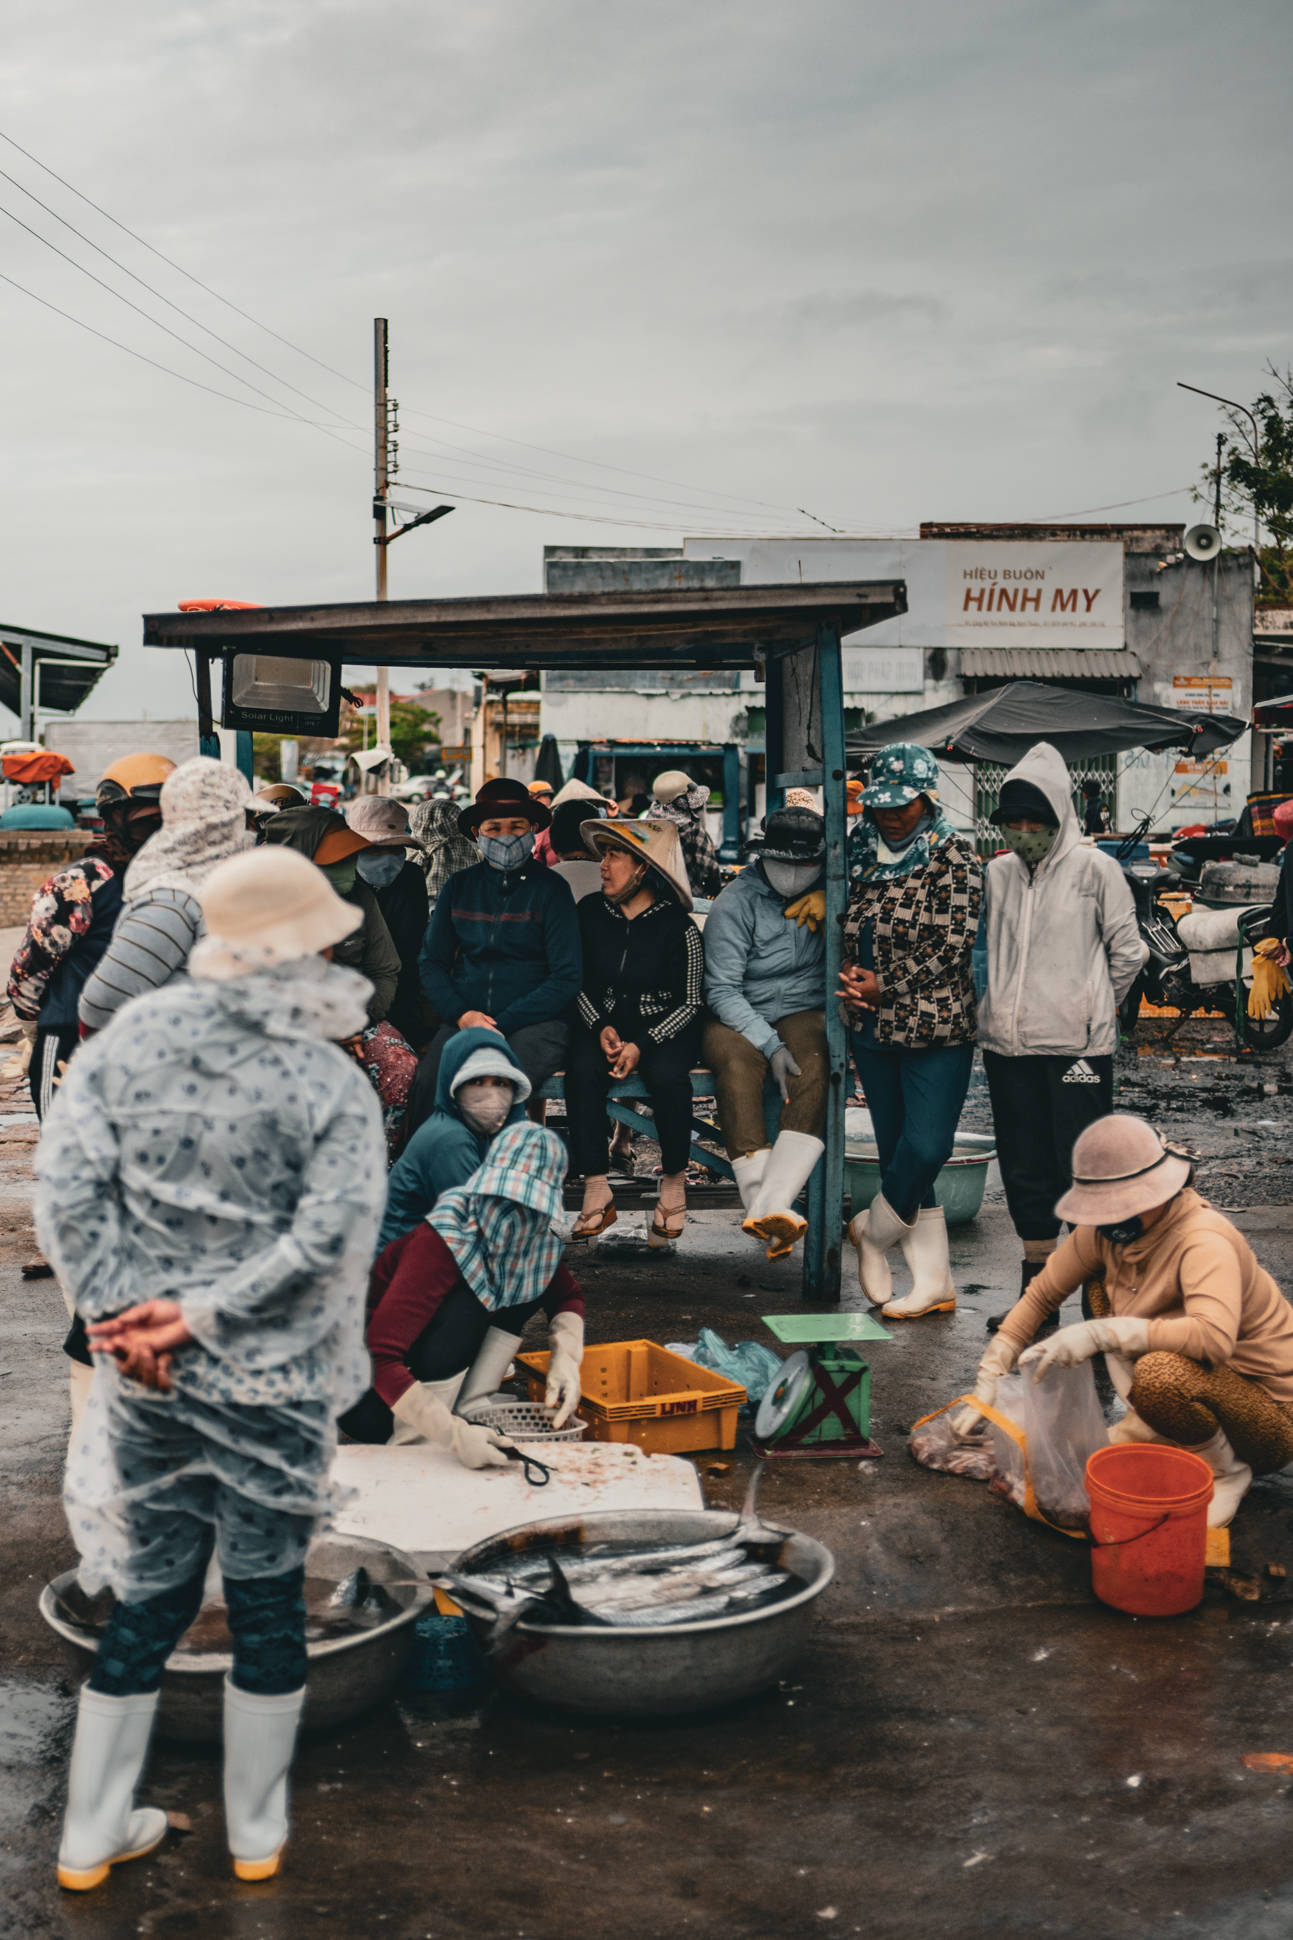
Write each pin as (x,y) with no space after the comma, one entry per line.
(1048,663)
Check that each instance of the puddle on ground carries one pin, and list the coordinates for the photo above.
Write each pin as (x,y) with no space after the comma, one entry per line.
(34,1722)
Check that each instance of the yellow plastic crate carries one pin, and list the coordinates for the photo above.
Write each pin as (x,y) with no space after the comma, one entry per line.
(637,1391)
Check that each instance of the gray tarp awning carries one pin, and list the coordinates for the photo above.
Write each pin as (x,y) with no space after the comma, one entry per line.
(1002,725)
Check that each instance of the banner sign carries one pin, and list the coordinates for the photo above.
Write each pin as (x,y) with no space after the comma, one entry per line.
(1032,595)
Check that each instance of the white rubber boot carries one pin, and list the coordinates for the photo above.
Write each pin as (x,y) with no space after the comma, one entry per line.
(259,1739)
(749,1174)
(487,1371)
(1231,1479)
(924,1247)
(101,1827)
(1132,1429)
(873,1232)
(772,1216)
(446,1391)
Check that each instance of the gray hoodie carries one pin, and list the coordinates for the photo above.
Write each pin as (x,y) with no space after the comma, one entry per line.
(1063,943)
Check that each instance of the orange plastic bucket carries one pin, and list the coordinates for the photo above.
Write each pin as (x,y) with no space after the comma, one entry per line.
(1149,1527)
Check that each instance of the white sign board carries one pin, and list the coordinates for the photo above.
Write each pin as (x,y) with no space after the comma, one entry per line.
(1034,595)
(960,592)
(883,670)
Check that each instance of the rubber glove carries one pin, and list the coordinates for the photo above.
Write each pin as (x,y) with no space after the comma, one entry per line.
(809,908)
(1073,1345)
(473,1445)
(1269,981)
(967,1423)
(566,1340)
(783,1068)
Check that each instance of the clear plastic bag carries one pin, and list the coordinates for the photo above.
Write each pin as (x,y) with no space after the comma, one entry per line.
(1063,1425)
(934,1446)
(1010,1479)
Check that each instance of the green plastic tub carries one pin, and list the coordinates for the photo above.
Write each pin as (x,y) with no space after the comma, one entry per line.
(958,1187)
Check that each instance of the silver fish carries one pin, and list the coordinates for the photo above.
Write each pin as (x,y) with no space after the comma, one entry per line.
(590,1566)
(751,1592)
(656,1616)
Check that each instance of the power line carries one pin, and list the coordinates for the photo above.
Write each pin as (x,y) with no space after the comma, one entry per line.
(162,257)
(160,295)
(156,321)
(288,417)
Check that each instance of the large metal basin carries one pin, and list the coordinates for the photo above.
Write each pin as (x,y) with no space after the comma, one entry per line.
(346,1675)
(674,1672)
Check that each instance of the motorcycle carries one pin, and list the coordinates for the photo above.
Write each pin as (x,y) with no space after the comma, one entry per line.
(1203,978)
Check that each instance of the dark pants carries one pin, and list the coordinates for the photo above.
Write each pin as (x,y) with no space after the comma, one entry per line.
(665,1070)
(539,1049)
(915,1099)
(1039,1106)
(448,1344)
(266,1616)
(50,1049)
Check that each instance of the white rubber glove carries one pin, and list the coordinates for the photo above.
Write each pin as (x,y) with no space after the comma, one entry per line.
(566,1341)
(1073,1345)
(967,1423)
(782,1066)
(474,1446)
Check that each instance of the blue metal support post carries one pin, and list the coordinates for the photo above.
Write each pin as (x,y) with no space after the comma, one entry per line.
(773,739)
(729,852)
(246,755)
(826,1187)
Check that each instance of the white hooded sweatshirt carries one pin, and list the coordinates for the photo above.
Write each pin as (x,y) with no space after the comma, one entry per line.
(1063,943)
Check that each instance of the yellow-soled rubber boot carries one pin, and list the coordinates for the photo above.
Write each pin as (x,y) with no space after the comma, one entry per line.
(259,1739)
(102,1827)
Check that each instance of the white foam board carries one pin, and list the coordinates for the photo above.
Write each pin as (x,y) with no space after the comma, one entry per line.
(421,1500)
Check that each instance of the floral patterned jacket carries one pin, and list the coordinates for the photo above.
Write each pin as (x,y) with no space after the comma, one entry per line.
(923,927)
(84,897)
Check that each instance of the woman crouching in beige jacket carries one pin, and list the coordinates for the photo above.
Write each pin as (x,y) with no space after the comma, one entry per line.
(1198,1336)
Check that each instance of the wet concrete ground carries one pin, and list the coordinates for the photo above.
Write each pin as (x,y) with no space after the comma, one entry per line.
(971,1746)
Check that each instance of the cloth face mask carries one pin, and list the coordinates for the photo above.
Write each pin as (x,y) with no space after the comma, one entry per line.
(1030,845)
(791,878)
(506,852)
(484,1106)
(341,875)
(379,867)
(1124,1231)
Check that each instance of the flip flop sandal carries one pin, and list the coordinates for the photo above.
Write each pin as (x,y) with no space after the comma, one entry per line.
(658,1235)
(602,1217)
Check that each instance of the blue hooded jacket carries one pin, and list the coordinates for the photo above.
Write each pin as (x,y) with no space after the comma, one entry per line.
(444,1151)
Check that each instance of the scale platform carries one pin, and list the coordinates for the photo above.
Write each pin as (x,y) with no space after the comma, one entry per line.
(819,1409)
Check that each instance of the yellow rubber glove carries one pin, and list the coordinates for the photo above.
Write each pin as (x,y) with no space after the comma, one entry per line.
(1269,980)
(809,908)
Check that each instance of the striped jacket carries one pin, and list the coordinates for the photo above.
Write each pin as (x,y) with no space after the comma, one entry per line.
(923,927)
(149,946)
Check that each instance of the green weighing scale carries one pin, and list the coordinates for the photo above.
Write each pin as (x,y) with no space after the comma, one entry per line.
(819,1408)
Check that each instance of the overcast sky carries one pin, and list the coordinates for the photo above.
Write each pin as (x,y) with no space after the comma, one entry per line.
(937,260)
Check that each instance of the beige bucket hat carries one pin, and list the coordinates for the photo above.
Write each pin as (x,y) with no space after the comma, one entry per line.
(383,821)
(273,904)
(654,842)
(1121,1167)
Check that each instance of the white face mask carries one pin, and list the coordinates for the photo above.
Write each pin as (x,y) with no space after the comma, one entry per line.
(792,878)
(484,1106)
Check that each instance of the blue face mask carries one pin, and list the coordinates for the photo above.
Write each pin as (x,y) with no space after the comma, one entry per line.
(379,867)
(506,851)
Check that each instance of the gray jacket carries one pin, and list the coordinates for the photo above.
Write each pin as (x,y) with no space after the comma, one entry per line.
(1063,943)
(759,966)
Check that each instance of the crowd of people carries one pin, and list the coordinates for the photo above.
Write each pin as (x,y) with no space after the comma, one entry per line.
(295,1180)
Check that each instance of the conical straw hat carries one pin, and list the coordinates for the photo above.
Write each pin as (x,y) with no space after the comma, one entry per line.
(653,842)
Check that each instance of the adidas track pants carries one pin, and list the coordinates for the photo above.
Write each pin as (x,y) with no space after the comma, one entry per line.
(1039,1105)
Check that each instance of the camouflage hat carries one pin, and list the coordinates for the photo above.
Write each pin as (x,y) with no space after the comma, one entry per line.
(900,773)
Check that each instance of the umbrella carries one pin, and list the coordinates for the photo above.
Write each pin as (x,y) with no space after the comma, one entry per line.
(547,766)
(1002,725)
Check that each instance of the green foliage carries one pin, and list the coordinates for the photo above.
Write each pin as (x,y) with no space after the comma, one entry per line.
(1258,477)
(268,758)
(415,731)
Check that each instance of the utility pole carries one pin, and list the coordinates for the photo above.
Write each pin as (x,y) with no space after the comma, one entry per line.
(383,466)
(1216,564)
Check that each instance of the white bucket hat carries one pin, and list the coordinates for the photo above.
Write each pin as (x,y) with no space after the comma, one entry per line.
(1121,1167)
(486,1063)
(382,821)
(269,906)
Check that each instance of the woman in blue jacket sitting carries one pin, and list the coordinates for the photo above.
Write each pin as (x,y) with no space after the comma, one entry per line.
(480,1088)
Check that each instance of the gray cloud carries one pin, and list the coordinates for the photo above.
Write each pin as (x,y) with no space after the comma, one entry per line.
(884,262)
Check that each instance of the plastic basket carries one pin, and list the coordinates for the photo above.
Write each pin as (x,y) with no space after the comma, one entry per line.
(523,1421)
(637,1391)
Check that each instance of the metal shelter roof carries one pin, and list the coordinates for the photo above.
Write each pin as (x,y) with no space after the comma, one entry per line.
(59,686)
(718,627)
